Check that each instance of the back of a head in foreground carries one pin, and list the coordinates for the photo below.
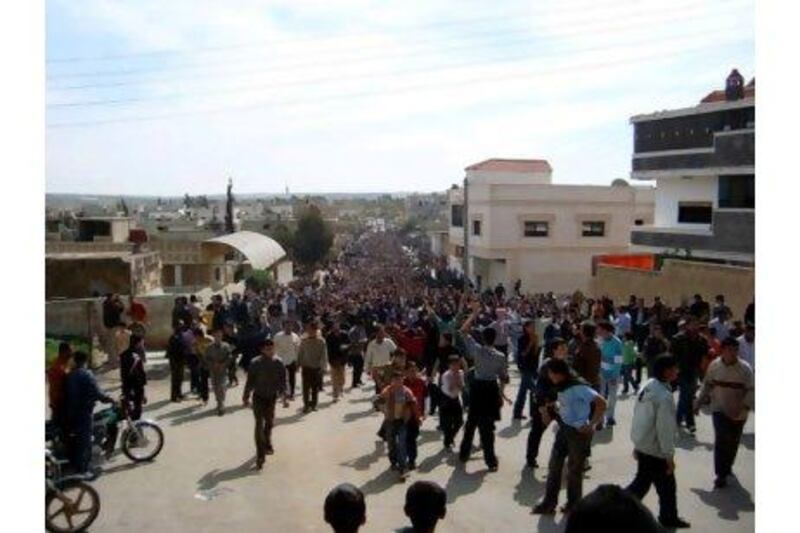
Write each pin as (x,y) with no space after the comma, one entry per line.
(426,504)
(611,508)
(345,509)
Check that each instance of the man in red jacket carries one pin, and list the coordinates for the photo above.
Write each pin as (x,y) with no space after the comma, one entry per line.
(412,340)
(418,386)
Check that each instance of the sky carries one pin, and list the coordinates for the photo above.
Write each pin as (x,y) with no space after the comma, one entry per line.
(146,97)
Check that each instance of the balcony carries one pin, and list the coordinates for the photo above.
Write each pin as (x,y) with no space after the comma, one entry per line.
(731,149)
(732,231)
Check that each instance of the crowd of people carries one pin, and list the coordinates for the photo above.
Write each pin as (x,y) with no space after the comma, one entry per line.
(430,342)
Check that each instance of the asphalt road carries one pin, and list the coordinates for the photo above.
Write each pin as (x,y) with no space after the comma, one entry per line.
(203,480)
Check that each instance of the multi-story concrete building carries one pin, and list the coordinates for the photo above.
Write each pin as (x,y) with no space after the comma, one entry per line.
(520,225)
(703,160)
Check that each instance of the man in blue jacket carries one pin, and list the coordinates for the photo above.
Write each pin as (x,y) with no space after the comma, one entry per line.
(82,392)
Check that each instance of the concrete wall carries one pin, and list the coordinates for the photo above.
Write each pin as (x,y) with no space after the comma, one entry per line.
(79,278)
(79,317)
(678,280)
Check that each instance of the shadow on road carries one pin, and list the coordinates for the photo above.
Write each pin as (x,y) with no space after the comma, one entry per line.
(511,430)
(548,524)
(384,481)
(121,468)
(430,463)
(208,411)
(352,417)
(215,477)
(299,414)
(687,441)
(181,412)
(603,437)
(729,501)
(365,461)
(529,489)
(156,405)
(428,435)
(462,483)
(749,441)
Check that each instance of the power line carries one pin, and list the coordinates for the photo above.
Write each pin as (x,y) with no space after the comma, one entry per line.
(328,79)
(379,92)
(586,7)
(362,58)
(576,30)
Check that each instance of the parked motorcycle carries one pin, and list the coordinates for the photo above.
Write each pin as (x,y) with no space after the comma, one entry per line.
(71,504)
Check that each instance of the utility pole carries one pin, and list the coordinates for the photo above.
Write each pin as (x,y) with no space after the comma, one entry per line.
(465,226)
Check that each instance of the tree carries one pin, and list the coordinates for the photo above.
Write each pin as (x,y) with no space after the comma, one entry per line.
(284,236)
(123,207)
(187,200)
(229,209)
(259,280)
(313,238)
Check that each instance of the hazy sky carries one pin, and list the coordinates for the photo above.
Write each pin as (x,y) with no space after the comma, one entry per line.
(166,97)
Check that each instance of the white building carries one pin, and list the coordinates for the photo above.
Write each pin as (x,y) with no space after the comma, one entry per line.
(522,226)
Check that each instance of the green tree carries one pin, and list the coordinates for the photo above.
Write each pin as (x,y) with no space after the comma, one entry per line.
(229,228)
(284,236)
(313,238)
(259,280)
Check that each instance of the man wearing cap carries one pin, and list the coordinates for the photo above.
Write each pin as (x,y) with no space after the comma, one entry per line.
(266,382)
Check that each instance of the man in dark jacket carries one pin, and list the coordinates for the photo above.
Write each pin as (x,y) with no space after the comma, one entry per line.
(587,358)
(689,348)
(176,355)
(543,411)
(528,363)
(133,375)
(82,392)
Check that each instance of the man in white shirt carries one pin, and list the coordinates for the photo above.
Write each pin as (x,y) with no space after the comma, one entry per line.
(379,355)
(286,344)
(747,346)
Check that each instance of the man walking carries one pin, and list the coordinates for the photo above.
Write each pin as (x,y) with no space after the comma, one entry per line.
(312,357)
(729,387)
(379,356)
(689,348)
(486,391)
(528,363)
(176,355)
(217,358)
(286,344)
(580,409)
(611,367)
(653,434)
(266,382)
(338,343)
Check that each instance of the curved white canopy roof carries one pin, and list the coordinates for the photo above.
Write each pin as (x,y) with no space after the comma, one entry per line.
(260,250)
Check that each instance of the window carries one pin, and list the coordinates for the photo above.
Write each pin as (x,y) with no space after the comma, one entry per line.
(694,212)
(594,229)
(217,274)
(638,222)
(457,216)
(476,227)
(737,192)
(535,228)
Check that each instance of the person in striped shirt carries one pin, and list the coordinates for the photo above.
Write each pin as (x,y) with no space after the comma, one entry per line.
(729,387)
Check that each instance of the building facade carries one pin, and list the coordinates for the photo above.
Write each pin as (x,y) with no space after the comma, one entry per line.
(703,161)
(520,226)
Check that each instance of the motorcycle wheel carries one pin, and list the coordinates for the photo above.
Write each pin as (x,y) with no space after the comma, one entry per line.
(143,442)
(65,518)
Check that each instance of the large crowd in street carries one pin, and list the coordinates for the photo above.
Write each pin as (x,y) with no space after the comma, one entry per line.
(436,350)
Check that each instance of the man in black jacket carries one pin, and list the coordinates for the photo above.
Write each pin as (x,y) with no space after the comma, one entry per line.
(176,355)
(133,375)
(688,348)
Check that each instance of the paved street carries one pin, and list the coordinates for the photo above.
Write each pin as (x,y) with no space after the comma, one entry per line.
(203,481)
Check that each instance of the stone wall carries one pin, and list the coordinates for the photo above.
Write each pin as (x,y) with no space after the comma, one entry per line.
(677,281)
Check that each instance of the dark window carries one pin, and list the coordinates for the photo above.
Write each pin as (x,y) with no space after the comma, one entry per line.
(476,227)
(694,212)
(737,192)
(217,275)
(594,229)
(457,216)
(638,222)
(535,228)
